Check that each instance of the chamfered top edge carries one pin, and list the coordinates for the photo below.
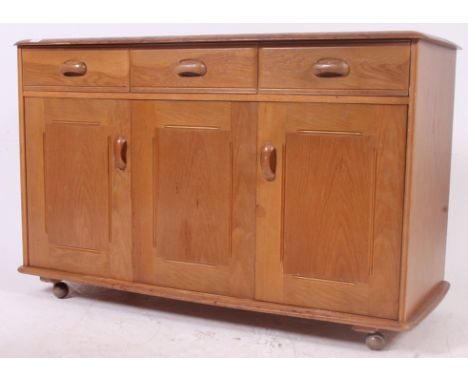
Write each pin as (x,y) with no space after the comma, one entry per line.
(240,38)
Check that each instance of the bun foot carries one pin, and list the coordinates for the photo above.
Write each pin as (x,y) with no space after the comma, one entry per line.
(61,289)
(375,341)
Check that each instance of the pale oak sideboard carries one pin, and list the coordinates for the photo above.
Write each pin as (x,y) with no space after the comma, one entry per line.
(304,175)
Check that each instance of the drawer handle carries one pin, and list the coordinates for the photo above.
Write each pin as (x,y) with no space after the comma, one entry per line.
(268,161)
(331,67)
(73,68)
(120,153)
(191,68)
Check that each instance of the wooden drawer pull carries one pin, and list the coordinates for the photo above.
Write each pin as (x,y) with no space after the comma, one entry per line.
(120,153)
(191,68)
(331,67)
(268,161)
(72,68)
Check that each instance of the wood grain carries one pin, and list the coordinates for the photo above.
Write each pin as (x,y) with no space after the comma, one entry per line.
(427,173)
(194,196)
(374,67)
(194,211)
(225,68)
(289,38)
(65,89)
(22,141)
(383,130)
(79,208)
(328,205)
(76,182)
(349,99)
(105,68)
(337,92)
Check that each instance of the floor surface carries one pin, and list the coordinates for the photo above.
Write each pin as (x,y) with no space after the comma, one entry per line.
(100,322)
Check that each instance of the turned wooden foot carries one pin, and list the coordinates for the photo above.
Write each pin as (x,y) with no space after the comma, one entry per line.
(61,289)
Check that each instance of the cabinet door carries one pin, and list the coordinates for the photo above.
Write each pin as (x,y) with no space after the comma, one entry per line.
(193,191)
(329,223)
(79,212)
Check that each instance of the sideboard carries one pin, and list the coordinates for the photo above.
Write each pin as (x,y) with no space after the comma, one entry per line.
(295,174)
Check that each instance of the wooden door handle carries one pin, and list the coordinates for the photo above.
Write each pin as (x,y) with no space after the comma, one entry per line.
(120,153)
(191,68)
(73,68)
(331,67)
(268,161)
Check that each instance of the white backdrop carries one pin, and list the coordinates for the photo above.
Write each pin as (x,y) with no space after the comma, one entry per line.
(10,223)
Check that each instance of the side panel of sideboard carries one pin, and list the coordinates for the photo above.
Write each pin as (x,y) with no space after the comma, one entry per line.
(427,173)
(22,139)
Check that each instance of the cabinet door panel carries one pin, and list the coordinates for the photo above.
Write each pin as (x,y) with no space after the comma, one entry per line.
(194,195)
(329,182)
(329,225)
(77,189)
(194,198)
(78,203)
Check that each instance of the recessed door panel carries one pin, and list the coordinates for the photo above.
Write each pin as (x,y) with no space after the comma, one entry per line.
(194,195)
(328,206)
(77,185)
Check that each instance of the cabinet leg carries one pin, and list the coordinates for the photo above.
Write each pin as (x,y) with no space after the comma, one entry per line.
(61,289)
(375,340)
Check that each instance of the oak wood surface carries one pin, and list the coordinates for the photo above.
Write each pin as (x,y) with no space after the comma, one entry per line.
(78,204)
(241,38)
(105,68)
(305,218)
(148,93)
(76,176)
(351,99)
(22,139)
(427,173)
(194,195)
(328,199)
(431,302)
(375,67)
(81,89)
(225,68)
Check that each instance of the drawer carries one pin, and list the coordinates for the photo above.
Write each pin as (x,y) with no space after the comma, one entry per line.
(217,69)
(369,68)
(86,69)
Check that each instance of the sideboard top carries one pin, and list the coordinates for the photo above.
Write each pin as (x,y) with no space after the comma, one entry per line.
(243,38)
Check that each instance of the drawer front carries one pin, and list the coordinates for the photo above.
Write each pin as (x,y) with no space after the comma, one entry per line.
(221,68)
(83,68)
(338,68)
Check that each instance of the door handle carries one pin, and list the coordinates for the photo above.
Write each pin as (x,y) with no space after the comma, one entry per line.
(191,68)
(73,68)
(268,161)
(120,153)
(331,67)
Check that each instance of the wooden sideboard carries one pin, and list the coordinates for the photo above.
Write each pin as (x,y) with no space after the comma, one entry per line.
(304,175)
